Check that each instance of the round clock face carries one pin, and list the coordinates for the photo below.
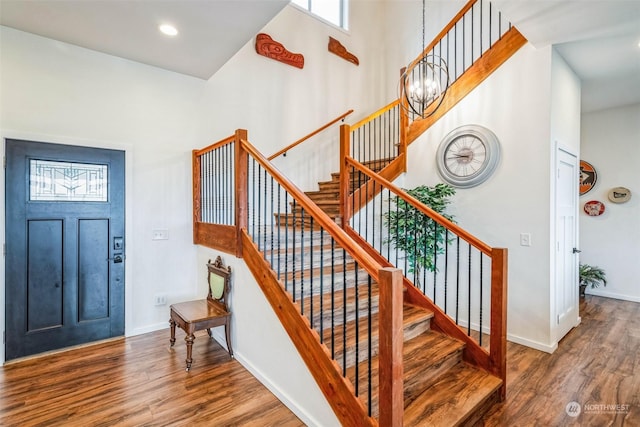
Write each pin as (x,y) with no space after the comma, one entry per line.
(467,156)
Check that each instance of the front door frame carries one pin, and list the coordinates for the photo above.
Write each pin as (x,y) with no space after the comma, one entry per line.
(128,214)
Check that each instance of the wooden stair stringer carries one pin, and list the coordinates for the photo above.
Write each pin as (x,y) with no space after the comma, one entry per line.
(338,390)
(482,68)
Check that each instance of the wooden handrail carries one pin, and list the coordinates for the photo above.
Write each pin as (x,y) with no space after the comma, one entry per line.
(376,114)
(364,259)
(215,145)
(304,138)
(442,33)
(455,228)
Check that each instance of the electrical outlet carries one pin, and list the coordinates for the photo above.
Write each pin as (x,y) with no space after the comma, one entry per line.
(160,299)
(525,239)
(160,234)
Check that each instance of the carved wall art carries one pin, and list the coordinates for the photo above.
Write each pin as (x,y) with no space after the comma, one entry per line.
(270,48)
(336,47)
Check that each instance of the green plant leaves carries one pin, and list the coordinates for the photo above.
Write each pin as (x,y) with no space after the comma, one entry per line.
(417,235)
(592,276)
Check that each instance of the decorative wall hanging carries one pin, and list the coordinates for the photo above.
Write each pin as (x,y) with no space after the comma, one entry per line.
(270,48)
(468,156)
(619,195)
(588,177)
(594,208)
(336,47)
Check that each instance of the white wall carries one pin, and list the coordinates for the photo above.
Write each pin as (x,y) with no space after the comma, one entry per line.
(279,104)
(612,241)
(514,102)
(565,135)
(56,92)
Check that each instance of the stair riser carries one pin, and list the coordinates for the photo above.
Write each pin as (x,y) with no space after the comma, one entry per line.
(303,288)
(337,316)
(410,330)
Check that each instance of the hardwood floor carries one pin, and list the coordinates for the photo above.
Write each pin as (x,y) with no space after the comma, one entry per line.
(597,364)
(138,381)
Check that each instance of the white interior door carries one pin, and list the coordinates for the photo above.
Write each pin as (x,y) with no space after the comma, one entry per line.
(566,284)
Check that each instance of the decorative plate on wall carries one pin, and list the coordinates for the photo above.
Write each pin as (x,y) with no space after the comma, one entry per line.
(594,208)
(468,156)
(619,195)
(588,177)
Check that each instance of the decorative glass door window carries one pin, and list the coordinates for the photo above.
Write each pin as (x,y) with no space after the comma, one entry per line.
(67,182)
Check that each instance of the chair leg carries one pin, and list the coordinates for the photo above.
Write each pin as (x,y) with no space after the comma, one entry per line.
(209,332)
(227,332)
(172,325)
(189,339)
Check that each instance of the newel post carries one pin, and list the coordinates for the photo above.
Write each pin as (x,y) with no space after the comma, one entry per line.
(345,181)
(197,194)
(241,197)
(391,387)
(498,339)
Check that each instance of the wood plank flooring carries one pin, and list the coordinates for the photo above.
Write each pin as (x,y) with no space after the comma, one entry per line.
(596,364)
(139,382)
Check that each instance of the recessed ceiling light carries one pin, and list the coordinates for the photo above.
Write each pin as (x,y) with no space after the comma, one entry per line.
(169,30)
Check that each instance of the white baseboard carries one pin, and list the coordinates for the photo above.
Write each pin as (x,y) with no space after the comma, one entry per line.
(290,403)
(533,344)
(147,329)
(614,295)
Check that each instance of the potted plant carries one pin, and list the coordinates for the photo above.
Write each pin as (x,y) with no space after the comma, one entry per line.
(413,232)
(591,276)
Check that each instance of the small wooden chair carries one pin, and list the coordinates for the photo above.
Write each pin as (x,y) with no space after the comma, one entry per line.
(192,316)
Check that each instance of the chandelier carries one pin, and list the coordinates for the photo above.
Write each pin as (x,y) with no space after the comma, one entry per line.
(425,81)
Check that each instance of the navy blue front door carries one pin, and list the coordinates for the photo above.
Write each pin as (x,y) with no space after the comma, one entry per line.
(64,275)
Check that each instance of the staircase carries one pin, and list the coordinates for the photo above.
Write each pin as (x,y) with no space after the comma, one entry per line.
(325,300)
(327,195)
(440,389)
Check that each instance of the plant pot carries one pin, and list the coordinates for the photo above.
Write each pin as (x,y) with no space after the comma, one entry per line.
(582,289)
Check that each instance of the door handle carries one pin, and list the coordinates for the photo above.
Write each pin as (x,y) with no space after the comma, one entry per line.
(576,251)
(117,259)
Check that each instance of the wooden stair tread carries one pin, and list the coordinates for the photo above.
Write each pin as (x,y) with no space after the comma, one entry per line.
(453,399)
(416,320)
(425,358)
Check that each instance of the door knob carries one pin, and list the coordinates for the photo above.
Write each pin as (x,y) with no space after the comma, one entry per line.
(576,251)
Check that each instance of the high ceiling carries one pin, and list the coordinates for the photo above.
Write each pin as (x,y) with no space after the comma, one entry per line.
(211,31)
(598,38)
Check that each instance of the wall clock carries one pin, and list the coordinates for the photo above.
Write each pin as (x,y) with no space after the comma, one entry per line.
(468,156)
